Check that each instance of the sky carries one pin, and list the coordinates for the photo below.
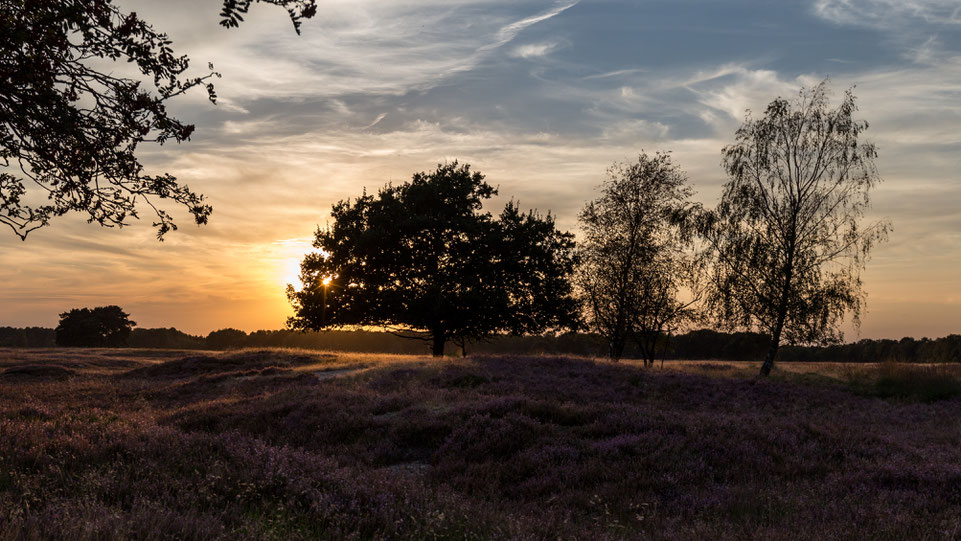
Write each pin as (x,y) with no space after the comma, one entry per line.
(541,96)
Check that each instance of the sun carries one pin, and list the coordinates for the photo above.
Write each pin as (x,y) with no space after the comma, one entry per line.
(291,272)
(287,256)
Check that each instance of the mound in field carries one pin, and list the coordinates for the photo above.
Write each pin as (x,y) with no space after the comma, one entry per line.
(36,372)
(243,362)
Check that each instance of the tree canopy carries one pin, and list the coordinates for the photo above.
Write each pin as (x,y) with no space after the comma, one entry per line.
(637,254)
(786,238)
(104,326)
(70,128)
(423,260)
(225,338)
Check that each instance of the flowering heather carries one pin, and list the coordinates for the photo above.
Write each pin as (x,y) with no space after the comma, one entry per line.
(294,445)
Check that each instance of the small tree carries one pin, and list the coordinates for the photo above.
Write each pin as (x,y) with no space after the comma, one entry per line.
(71,129)
(636,255)
(787,243)
(423,261)
(104,326)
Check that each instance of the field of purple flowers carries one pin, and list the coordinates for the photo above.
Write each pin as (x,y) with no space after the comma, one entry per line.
(295,445)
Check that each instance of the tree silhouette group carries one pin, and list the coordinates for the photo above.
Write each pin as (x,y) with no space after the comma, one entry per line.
(781,253)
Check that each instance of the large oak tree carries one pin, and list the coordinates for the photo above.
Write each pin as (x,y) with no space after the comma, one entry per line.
(423,260)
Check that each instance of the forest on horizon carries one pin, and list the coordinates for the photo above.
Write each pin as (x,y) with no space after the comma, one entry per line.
(698,344)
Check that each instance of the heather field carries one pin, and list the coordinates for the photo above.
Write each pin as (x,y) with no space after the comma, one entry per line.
(287,444)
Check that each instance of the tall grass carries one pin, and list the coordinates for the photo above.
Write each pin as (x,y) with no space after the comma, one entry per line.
(924,383)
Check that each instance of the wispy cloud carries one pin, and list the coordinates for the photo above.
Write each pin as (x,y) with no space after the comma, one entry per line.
(376,121)
(510,31)
(913,25)
(889,14)
(372,47)
(534,50)
(615,73)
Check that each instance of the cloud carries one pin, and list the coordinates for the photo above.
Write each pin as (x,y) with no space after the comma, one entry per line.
(367,47)
(376,121)
(615,73)
(914,26)
(889,14)
(510,31)
(534,50)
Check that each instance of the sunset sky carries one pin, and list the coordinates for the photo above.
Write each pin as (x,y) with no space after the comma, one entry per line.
(541,96)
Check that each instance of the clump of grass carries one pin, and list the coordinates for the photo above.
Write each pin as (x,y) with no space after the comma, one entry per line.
(922,383)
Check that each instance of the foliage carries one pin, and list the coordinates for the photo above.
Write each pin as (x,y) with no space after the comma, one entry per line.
(71,125)
(636,254)
(104,326)
(31,337)
(234,10)
(710,344)
(226,339)
(422,260)
(946,349)
(787,243)
(169,338)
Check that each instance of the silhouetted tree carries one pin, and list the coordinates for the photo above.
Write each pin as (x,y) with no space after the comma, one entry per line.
(71,127)
(104,326)
(636,254)
(423,261)
(787,242)
(226,339)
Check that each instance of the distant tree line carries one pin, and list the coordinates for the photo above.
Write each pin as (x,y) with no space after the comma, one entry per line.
(28,337)
(699,344)
(946,349)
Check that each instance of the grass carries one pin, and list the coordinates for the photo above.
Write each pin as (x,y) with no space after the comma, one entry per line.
(925,383)
(288,444)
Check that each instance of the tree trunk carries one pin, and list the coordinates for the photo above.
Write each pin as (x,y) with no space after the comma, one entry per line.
(775,344)
(769,361)
(781,314)
(615,348)
(440,338)
(667,342)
